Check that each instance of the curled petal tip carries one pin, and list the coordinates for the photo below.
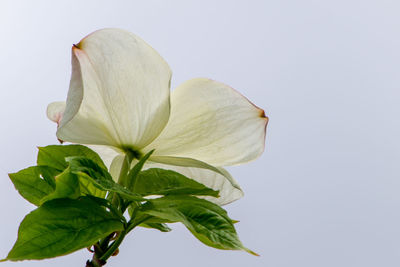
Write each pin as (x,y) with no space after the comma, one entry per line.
(55,111)
(262,114)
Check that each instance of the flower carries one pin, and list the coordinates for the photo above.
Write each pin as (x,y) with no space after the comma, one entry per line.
(119,99)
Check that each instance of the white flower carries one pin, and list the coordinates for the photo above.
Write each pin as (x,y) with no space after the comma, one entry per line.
(119,99)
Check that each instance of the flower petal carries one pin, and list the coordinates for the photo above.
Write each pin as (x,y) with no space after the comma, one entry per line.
(213,123)
(115,167)
(119,92)
(228,193)
(55,111)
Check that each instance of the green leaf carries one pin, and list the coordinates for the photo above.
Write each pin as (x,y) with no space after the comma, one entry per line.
(87,187)
(136,170)
(67,186)
(159,226)
(144,220)
(71,185)
(54,155)
(62,226)
(167,182)
(34,183)
(100,177)
(107,204)
(207,221)
(189,162)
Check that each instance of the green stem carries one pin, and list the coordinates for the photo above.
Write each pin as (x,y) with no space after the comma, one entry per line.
(104,251)
(96,262)
(104,243)
(125,168)
(126,164)
(114,246)
(132,226)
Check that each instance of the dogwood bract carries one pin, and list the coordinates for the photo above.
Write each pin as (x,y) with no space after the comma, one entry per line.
(119,100)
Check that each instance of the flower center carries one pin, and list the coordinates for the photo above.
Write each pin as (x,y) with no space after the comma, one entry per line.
(132,152)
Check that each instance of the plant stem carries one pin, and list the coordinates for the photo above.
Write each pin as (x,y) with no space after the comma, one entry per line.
(111,250)
(126,164)
(96,261)
(104,243)
(102,251)
(124,169)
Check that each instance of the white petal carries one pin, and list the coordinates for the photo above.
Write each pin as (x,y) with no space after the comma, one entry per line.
(228,193)
(115,167)
(213,123)
(55,111)
(119,92)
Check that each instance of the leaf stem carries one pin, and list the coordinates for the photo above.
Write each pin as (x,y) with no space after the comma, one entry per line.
(131,226)
(105,250)
(114,246)
(125,169)
(96,261)
(126,164)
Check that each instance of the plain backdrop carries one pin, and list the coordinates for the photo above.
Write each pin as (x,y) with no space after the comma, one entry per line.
(326,191)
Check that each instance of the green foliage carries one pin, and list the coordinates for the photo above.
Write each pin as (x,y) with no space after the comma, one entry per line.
(206,220)
(55,155)
(51,179)
(166,182)
(34,183)
(80,205)
(189,162)
(159,226)
(62,226)
(87,187)
(133,173)
(67,186)
(100,177)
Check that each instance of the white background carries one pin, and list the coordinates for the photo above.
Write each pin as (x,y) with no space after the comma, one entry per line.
(326,192)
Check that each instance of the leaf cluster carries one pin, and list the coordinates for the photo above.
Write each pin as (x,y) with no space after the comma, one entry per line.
(79,205)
